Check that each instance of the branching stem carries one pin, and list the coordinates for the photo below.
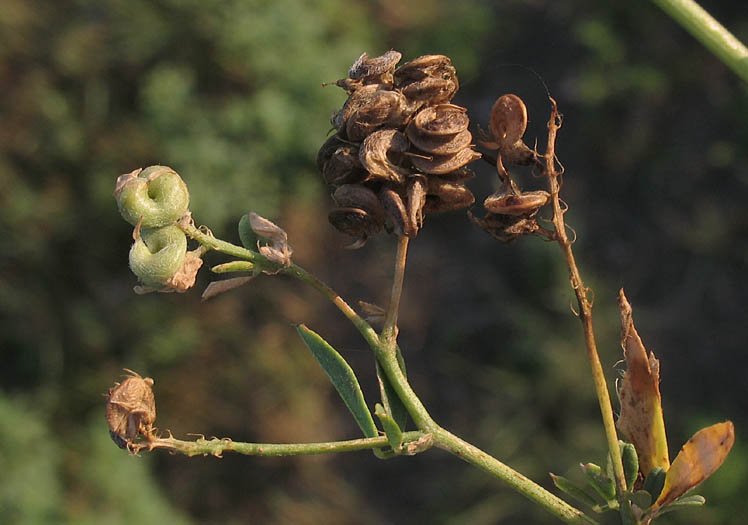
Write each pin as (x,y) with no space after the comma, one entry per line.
(583,299)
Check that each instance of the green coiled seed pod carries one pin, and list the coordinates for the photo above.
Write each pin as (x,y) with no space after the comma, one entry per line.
(156,194)
(156,255)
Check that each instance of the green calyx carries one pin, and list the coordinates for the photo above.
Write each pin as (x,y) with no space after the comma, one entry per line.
(156,255)
(157,196)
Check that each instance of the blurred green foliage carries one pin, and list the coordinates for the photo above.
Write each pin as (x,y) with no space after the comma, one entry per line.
(229,94)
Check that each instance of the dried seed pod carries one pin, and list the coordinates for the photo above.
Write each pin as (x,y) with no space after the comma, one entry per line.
(356,101)
(432,90)
(508,121)
(344,166)
(440,164)
(327,150)
(444,195)
(509,203)
(386,108)
(358,196)
(416,200)
(442,119)
(131,410)
(422,67)
(506,228)
(396,212)
(459,175)
(381,152)
(355,222)
(365,67)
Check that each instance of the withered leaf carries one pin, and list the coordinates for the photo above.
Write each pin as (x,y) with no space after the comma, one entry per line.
(699,458)
(219,287)
(641,420)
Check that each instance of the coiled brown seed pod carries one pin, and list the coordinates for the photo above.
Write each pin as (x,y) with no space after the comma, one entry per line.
(510,203)
(506,228)
(441,164)
(444,195)
(381,153)
(507,127)
(430,78)
(344,166)
(385,108)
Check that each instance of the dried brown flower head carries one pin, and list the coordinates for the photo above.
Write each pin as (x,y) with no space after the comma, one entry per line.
(131,410)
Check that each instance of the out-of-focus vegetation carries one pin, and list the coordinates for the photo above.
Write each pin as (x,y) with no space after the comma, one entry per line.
(229,94)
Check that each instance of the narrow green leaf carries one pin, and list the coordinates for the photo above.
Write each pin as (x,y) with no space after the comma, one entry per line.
(342,377)
(642,499)
(574,490)
(684,502)
(630,463)
(391,429)
(392,403)
(599,481)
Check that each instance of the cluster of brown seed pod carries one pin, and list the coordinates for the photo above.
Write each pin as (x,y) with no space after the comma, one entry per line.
(510,212)
(400,149)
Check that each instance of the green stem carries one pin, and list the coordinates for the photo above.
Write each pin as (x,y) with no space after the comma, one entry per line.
(713,35)
(386,354)
(216,447)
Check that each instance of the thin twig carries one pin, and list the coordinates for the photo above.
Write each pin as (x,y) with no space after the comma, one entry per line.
(583,298)
(389,332)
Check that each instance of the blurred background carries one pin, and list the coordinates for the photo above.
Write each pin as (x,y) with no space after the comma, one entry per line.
(230,95)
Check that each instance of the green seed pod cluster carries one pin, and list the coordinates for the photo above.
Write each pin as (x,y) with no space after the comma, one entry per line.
(153,200)
(400,149)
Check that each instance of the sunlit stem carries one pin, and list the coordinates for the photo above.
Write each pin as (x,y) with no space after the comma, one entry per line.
(216,447)
(712,35)
(585,304)
(389,332)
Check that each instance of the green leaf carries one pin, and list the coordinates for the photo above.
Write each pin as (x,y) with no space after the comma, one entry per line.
(684,502)
(575,491)
(392,403)
(654,482)
(630,463)
(342,377)
(246,234)
(642,499)
(600,481)
(391,428)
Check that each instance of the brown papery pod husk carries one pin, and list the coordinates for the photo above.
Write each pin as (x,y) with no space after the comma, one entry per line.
(386,108)
(508,203)
(508,122)
(359,196)
(439,144)
(444,195)
(459,175)
(396,212)
(442,119)
(358,99)
(355,222)
(505,228)
(422,67)
(375,70)
(433,90)
(441,164)
(381,151)
(327,150)
(344,167)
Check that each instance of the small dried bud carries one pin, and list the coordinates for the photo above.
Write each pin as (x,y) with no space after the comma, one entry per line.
(131,410)
(509,203)
(381,152)
(278,249)
(422,67)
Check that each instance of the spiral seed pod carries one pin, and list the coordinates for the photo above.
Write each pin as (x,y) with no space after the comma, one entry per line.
(375,69)
(158,254)
(444,195)
(154,197)
(131,409)
(357,100)
(507,127)
(355,222)
(344,167)
(359,196)
(396,212)
(506,228)
(385,108)
(380,154)
(429,78)
(510,203)
(442,164)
